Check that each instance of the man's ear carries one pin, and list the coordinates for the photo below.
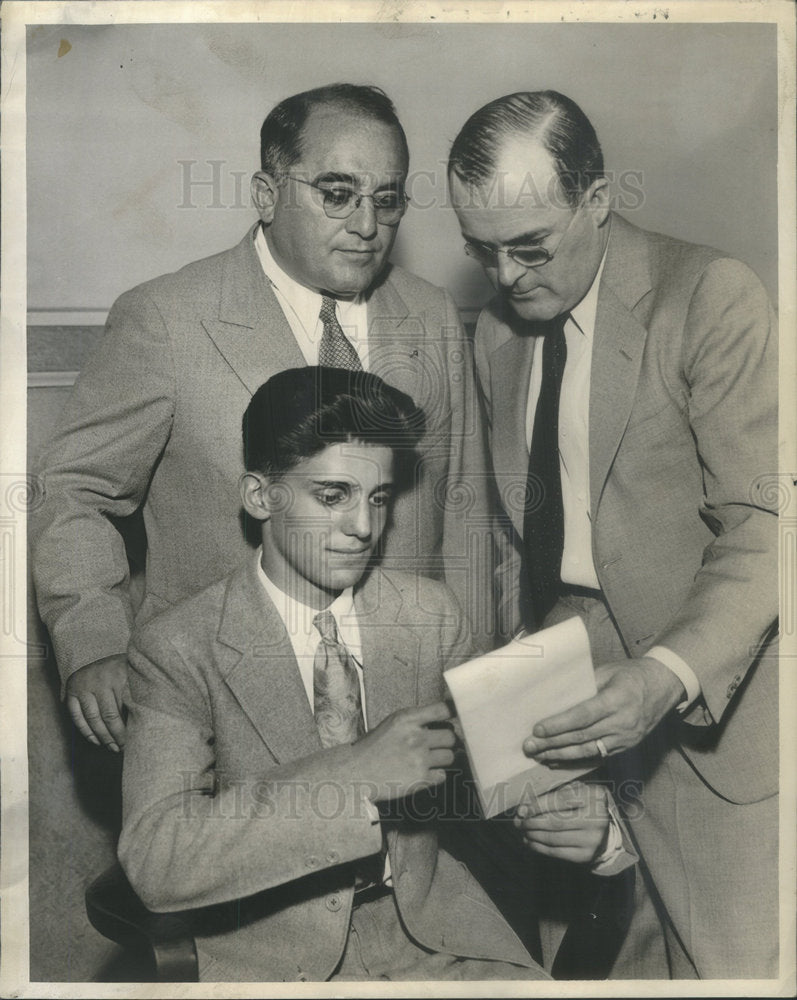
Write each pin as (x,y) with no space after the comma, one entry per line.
(265,194)
(254,487)
(598,200)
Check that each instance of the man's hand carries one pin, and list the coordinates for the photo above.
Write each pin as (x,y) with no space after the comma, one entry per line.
(633,697)
(404,753)
(95,696)
(569,823)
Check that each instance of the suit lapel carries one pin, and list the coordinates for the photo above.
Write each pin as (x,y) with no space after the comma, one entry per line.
(389,668)
(395,340)
(261,670)
(250,331)
(617,350)
(511,365)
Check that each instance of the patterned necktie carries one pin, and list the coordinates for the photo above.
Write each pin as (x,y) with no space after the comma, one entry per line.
(336,687)
(335,349)
(544,523)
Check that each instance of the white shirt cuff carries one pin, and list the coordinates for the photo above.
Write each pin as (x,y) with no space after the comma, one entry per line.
(682,671)
(614,845)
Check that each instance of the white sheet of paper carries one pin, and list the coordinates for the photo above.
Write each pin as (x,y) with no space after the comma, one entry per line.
(500,696)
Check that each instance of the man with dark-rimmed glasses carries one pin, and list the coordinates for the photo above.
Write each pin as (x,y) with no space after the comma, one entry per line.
(163,396)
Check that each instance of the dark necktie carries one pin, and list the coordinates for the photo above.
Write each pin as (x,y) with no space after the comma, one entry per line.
(544,522)
(336,687)
(335,349)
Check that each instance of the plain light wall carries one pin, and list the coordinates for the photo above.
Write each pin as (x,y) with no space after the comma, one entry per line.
(687,115)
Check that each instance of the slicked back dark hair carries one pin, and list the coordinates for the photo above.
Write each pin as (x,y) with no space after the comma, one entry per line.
(300,411)
(282,132)
(554,120)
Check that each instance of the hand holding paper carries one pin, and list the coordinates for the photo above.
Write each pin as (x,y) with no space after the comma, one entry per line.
(500,696)
(634,697)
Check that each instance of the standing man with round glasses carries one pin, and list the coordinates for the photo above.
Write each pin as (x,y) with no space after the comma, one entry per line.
(630,383)
(162,397)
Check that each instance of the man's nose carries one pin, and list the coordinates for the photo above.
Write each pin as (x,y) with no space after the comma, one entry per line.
(358,521)
(509,270)
(362,220)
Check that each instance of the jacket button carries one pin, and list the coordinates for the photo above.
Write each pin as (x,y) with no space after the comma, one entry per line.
(333,857)
(333,903)
(312,861)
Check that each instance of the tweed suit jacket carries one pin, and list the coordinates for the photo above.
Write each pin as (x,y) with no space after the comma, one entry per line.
(682,452)
(231,805)
(154,422)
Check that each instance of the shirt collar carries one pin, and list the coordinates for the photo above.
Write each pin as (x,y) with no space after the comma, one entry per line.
(304,301)
(298,617)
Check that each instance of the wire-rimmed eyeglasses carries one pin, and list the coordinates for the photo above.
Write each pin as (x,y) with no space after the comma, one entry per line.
(526,256)
(340,202)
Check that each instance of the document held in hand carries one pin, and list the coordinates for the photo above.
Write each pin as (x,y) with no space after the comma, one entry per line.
(499,698)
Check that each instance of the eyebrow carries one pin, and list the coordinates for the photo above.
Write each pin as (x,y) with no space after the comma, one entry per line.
(532,236)
(332,482)
(347,484)
(331,177)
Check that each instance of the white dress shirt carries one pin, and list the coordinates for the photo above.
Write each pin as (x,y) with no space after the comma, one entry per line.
(302,307)
(578,566)
(305,637)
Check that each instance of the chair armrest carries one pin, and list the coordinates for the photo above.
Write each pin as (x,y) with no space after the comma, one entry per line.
(165,939)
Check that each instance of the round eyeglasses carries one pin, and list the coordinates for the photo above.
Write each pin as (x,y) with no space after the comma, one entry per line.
(526,256)
(341,202)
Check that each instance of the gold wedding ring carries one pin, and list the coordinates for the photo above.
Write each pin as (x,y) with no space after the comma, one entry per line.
(601,748)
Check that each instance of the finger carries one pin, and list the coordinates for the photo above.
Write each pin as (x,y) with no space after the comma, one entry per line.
(562,815)
(441,758)
(573,795)
(552,822)
(440,737)
(111,716)
(437,711)
(580,716)
(437,777)
(574,855)
(562,838)
(79,719)
(604,729)
(579,751)
(93,716)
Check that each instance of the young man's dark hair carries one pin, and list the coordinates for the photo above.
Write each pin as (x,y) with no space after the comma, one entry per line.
(300,411)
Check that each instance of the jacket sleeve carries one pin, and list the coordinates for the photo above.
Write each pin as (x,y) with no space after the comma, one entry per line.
(95,471)
(190,837)
(730,361)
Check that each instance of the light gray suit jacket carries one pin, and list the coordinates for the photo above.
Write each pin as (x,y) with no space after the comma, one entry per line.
(155,420)
(682,451)
(230,803)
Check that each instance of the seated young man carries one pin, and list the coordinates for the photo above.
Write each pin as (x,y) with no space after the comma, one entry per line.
(277,713)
